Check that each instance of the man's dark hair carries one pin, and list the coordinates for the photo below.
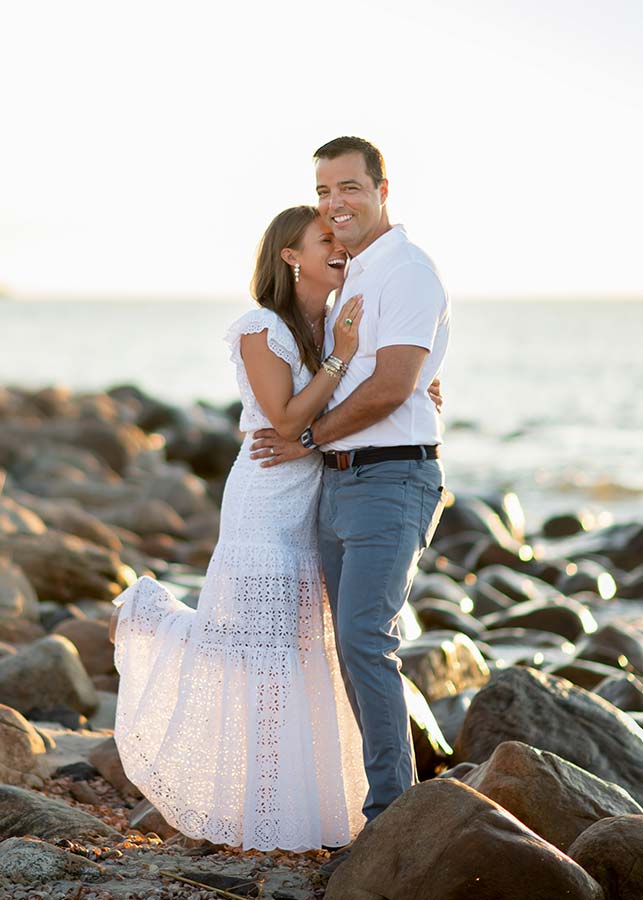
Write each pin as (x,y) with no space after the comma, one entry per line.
(372,156)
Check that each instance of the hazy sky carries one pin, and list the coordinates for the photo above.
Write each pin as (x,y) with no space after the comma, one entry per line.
(146,144)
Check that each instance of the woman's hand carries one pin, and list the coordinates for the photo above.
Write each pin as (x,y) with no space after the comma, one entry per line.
(346,335)
(435,394)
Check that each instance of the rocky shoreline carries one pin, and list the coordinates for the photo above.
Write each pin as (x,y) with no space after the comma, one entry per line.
(523,656)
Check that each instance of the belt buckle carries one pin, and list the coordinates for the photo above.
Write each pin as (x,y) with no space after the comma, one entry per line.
(343,459)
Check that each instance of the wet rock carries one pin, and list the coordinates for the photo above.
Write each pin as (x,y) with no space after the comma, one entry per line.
(62,567)
(612,852)
(565,617)
(553,797)
(25,812)
(430,744)
(550,713)
(438,586)
(17,596)
(20,747)
(620,646)
(630,585)
(46,673)
(145,817)
(509,509)
(442,614)
(622,544)
(28,860)
(624,691)
(587,575)
(91,639)
(487,598)
(518,586)
(106,759)
(581,673)
(562,526)
(442,663)
(450,712)
(443,839)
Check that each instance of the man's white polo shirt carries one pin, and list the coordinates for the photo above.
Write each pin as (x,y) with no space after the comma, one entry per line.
(404,303)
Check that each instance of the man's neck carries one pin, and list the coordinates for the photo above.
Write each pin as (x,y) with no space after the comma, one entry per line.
(383,226)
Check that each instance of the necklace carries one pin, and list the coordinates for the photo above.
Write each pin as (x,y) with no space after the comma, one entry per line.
(314,326)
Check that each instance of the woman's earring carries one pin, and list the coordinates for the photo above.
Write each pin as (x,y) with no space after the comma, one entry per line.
(297,267)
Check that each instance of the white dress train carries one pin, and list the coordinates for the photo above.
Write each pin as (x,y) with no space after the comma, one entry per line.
(232,719)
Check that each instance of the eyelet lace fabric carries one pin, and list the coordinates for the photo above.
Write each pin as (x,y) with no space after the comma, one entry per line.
(232,719)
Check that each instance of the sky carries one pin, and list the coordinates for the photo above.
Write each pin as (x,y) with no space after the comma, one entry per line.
(146,144)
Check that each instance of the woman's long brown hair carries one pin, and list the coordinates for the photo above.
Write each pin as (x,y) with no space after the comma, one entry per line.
(273,285)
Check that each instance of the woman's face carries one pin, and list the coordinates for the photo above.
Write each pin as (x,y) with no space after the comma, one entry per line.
(321,258)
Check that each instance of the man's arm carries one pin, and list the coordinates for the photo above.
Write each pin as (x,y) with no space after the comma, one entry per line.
(397,369)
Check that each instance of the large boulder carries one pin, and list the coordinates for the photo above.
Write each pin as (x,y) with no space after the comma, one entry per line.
(442,839)
(29,860)
(550,713)
(106,759)
(63,567)
(624,691)
(615,645)
(17,596)
(45,674)
(70,517)
(21,749)
(16,519)
(27,812)
(565,617)
(146,516)
(91,639)
(442,663)
(553,797)
(612,852)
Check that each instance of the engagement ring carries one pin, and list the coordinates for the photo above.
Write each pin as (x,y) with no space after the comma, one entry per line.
(348,321)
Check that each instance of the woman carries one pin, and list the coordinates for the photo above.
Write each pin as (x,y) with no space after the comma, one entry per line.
(232,718)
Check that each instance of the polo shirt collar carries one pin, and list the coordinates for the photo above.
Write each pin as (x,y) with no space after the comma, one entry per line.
(382,245)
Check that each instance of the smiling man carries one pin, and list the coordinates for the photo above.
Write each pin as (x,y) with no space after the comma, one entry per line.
(383,485)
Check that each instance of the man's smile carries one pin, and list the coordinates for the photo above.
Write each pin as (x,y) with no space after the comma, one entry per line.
(344,217)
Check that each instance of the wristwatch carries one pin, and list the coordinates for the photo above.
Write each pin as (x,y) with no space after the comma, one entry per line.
(306,440)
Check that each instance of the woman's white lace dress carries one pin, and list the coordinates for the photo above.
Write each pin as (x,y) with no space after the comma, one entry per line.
(232,718)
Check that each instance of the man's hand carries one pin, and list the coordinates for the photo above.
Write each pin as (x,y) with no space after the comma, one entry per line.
(435,395)
(274,449)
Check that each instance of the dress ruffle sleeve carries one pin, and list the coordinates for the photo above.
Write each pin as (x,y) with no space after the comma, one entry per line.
(280,338)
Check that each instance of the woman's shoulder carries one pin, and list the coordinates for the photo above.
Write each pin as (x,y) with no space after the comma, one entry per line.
(280,337)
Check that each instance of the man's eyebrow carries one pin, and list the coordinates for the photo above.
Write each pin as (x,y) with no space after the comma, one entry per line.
(347,181)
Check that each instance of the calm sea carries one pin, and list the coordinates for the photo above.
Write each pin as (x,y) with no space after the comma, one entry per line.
(543,398)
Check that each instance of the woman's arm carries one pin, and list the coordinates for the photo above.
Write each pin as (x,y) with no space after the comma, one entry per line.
(271,379)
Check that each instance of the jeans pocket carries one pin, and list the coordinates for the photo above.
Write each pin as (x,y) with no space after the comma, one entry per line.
(433,502)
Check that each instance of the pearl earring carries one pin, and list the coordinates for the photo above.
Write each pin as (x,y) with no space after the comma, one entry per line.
(297,267)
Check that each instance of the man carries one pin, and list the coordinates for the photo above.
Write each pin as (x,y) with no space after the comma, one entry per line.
(383,491)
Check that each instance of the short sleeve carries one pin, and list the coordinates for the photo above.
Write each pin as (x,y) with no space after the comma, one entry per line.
(280,338)
(413,302)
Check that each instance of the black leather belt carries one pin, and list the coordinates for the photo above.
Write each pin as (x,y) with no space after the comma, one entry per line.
(341,459)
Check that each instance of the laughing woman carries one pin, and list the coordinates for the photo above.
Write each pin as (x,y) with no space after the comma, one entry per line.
(232,718)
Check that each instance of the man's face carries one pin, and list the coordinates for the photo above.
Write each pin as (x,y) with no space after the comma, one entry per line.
(349,201)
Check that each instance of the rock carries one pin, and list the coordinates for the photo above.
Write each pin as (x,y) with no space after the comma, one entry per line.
(630,584)
(145,817)
(46,673)
(621,543)
(445,615)
(106,683)
(612,852)
(441,839)
(105,715)
(16,519)
(430,745)
(78,771)
(620,646)
(509,509)
(61,715)
(186,493)
(62,567)
(209,455)
(566,617)
(17,596)
(438,586)
(518,586)
(26,812)
(450,712)
(52,614)
(91,639)
(487,598)
(550,713)
(472,515)
(563,526)
(70,517)
(28,860)
(587,575)
(106,759)
(20,747)
(146,516)
(624,691)
(553,797)
(442,663)
(581,673)
(19,631)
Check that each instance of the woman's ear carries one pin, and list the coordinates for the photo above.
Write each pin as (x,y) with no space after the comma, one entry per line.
(289,256)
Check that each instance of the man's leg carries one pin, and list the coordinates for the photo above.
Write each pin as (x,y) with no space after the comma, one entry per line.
(381,515)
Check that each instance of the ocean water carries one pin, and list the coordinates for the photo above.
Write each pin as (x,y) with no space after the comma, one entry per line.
(544,398)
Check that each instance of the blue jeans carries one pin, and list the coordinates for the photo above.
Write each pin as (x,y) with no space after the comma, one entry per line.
(374,522)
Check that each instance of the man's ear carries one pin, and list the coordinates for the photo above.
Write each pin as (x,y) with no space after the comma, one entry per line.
(384,190)
(289,256)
